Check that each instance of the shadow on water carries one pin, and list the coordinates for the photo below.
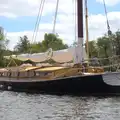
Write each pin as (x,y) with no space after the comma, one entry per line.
(99,95)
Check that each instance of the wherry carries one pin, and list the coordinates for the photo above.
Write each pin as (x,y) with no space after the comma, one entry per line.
(78,78)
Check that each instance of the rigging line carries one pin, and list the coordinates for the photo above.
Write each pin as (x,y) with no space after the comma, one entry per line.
(40,18)
(74,20)
(37,19)
(56,11)
(74,2)
(74,16)
(108,26)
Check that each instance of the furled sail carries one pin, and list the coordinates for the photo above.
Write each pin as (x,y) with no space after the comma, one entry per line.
(60,56)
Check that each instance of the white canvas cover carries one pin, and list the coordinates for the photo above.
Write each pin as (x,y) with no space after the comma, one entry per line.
(61,56)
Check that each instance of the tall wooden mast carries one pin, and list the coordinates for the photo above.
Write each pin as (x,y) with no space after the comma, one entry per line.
(87,34)
(79,48)
(80,18)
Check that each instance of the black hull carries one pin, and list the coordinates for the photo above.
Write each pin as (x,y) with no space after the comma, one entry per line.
(82,85)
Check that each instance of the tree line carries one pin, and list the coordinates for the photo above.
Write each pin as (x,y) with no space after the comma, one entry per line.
(103,47)
(50,41)
(25,46)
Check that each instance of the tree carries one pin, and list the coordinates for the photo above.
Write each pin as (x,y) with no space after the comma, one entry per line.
(104,46)
(36,47)
(50,41)
(3,45)
(109,46)
(23,46)
(3,42)
(53,41)
(93,51)
(116,42)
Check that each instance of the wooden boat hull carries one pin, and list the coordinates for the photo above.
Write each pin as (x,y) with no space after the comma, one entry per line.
(87,84)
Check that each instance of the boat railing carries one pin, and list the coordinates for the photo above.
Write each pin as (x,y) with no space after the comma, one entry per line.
(110,64)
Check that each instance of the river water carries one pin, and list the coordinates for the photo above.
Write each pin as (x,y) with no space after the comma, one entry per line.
(22,106)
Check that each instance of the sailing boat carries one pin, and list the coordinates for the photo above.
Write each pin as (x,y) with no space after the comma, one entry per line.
(77,78)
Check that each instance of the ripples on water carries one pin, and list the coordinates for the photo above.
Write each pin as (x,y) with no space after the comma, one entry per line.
(21,106)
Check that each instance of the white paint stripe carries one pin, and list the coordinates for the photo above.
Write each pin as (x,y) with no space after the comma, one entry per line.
(112,79)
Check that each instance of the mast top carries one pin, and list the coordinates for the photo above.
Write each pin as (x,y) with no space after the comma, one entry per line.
(80,18)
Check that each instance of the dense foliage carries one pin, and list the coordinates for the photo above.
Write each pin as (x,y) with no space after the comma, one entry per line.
(50,41)
(3,45)
(103,47)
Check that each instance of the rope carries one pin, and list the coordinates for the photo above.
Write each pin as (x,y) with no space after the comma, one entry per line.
(74,16)
(116,56)
(38,21)
(108,66)
(74,20)
(109,31)
(54,23)
(108,26)
(40,18)
(114,64)
(11,59)
(56,11)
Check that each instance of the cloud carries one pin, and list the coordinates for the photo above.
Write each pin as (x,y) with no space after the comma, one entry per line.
(65,26)
(17,8)
(98,26)
(109,2)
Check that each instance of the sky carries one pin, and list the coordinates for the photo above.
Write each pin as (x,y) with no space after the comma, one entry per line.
(18,18)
